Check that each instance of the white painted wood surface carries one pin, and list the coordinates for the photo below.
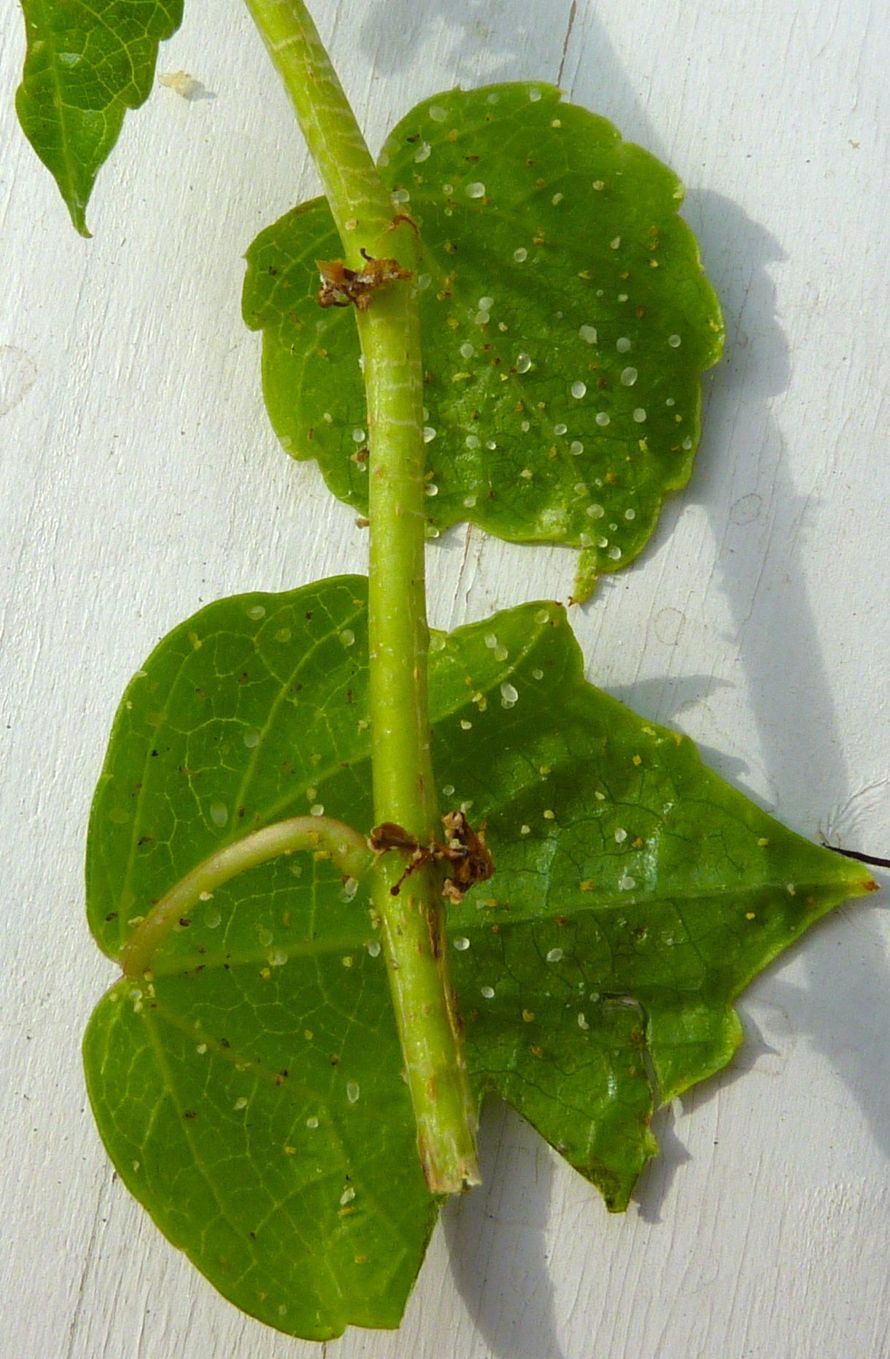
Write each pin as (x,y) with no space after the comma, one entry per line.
(140,480)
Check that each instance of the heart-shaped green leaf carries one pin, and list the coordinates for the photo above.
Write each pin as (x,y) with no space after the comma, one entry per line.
(86,64)
(249,1088)
(566,323)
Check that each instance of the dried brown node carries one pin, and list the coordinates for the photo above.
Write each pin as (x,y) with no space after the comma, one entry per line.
(463,849)
(343,287)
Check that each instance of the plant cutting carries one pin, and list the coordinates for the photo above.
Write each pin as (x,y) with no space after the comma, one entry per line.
(358,874)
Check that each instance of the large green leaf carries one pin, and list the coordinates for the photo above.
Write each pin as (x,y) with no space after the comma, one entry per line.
(86,64)
(566,323)
(249,1090)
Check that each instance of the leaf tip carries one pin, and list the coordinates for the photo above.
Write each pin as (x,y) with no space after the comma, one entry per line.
(79,221)
(585,577)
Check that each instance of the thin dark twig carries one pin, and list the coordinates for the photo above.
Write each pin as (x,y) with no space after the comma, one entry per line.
(862,858)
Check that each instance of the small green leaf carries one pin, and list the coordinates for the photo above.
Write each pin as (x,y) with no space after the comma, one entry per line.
(86,64)
(565,315)
(249,1089)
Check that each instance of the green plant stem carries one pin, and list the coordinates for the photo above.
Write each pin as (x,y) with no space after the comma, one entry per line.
(404,790)
(320,835)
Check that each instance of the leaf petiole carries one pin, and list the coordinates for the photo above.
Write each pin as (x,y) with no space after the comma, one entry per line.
(320,835)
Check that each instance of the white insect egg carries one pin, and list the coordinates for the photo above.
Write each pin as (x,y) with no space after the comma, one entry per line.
(674,341)
(509,695)
(628,377)
(554,955)
(462,943)
(523,363)
(476,189)
(622,344)
(578,390)
(603,418)
(639,415)
(219,813)
(520,255)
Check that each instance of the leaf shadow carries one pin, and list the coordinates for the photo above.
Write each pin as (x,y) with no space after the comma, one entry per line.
(654,1185)
(504,38)
(497,1243)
